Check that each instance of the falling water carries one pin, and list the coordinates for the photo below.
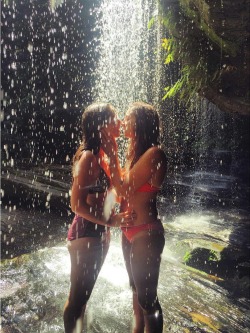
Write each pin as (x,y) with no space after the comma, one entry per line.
(129,60)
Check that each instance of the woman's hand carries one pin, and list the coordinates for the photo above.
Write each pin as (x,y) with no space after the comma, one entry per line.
(108,143)
(125,219)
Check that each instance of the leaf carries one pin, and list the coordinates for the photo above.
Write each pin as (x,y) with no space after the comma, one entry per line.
(169,59)
(165,43)
(151,22)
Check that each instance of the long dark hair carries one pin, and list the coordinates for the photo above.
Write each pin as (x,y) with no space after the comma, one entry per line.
(147,130)
(94,117)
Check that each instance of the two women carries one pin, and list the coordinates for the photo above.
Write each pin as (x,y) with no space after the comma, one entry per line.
(138,184)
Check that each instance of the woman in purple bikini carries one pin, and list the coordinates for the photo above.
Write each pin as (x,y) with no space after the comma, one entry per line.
(89,236)
(139,185)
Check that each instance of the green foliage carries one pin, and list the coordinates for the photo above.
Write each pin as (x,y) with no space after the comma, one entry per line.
(189,42)
(187,257)
(168,46)
(226,46)
(151,22)
(177,49)
(213,256)
(192,14)
(201,254)
(189,83)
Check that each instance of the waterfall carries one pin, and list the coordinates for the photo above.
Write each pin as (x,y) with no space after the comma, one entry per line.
(128,62)
(222,141)
(220,146)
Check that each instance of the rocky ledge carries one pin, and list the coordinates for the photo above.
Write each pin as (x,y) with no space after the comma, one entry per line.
(35,207)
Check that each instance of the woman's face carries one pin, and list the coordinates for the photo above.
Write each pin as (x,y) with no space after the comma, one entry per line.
(113,126)
(129,125)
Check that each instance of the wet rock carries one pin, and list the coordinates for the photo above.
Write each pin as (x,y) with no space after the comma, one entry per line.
(10,328)
(39,187)
(36,210)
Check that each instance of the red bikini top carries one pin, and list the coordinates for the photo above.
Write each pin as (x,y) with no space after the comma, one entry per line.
(148,188)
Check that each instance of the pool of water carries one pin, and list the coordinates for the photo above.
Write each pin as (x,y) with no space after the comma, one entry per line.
(194,298)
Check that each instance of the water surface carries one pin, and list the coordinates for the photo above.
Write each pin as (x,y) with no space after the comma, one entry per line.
(34,286)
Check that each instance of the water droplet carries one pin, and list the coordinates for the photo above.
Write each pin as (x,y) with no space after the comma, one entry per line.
(30,47)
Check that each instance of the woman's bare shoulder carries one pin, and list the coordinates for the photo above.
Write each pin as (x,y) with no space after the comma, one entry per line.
(87,162)
(156,152)
(87,157)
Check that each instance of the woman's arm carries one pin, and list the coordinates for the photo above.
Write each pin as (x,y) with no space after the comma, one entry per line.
(86,174)
(151,165)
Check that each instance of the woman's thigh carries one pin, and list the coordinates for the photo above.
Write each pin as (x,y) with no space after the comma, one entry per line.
(87,255)
(126,249)
(145,259)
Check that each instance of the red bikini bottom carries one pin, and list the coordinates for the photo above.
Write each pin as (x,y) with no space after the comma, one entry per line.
(130,232)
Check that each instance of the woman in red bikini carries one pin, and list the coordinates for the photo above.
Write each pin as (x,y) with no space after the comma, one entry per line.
(139,185)
(89,236)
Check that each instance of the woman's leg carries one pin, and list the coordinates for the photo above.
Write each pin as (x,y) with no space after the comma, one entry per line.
(145,258)
(87,255)
(138,320)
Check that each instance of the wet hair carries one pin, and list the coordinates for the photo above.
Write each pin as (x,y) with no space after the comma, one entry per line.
(94,117)
(147,130)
